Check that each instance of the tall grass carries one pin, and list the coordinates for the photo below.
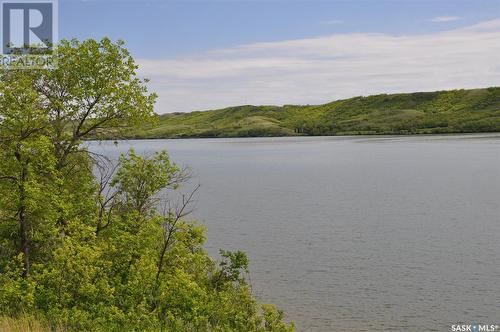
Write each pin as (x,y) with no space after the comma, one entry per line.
(27,324)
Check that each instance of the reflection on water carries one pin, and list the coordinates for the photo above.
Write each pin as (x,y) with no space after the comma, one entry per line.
(355,233)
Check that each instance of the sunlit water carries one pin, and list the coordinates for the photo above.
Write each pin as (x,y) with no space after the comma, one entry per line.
(355,233)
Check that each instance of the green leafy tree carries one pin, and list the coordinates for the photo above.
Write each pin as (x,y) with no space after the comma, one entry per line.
(116,251)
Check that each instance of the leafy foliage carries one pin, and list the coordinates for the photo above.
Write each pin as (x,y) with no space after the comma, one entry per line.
(113,252)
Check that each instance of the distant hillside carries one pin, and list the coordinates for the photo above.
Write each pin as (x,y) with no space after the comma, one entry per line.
(455,111)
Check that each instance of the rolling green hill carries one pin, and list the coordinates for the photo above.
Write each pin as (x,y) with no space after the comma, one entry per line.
(455,111)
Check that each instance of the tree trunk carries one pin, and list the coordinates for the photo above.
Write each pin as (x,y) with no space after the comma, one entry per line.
(23,222)
(25,245)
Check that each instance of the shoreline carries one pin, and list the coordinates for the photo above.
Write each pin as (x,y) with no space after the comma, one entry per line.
(300,136)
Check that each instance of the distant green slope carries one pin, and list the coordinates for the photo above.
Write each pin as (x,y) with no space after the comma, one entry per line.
(455,111)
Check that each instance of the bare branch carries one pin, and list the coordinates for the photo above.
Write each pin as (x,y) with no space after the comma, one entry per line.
(179,212)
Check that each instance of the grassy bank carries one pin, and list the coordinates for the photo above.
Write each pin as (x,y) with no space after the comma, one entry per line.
(26,324)
(456,111)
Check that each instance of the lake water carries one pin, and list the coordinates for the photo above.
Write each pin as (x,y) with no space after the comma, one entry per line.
(355,233)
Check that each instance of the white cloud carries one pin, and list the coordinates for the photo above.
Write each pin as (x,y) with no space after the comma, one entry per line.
(445,18)
(323,69)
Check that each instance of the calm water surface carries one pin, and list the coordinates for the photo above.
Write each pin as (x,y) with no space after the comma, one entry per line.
(355,233)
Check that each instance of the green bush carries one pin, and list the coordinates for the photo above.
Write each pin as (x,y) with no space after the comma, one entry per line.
(111,252)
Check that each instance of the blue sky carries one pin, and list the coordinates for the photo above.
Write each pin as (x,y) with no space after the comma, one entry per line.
(168,28)
(216,53)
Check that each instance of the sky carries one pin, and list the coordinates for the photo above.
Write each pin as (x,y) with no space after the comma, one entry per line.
(210,54)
